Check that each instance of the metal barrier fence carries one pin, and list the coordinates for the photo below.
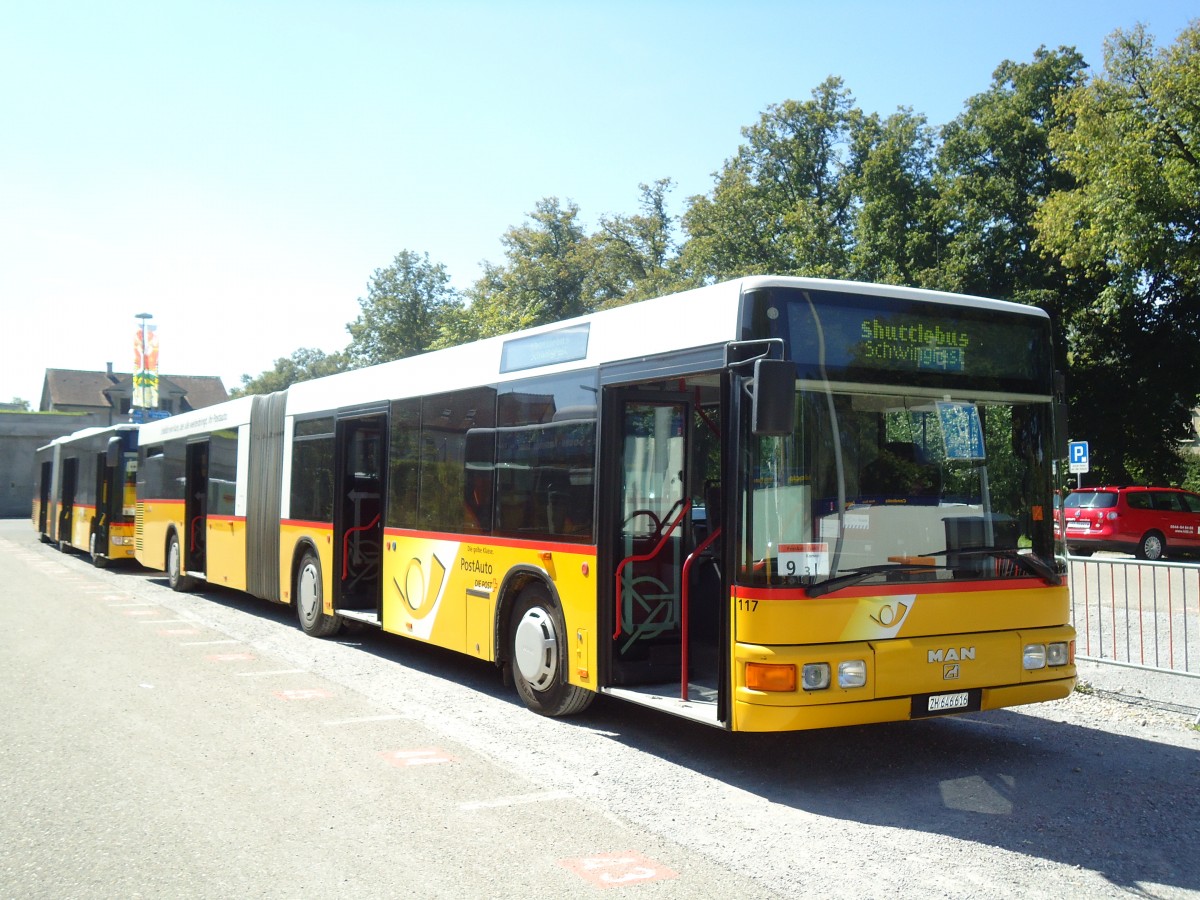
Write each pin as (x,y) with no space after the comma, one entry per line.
(1137,613)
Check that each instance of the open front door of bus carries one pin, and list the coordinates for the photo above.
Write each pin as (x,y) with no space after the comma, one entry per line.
(361,454)
(668,595)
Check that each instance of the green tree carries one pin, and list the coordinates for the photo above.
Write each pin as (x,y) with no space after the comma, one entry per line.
(1130,222)
(635,255)
(302,365)
(895,240)
(995,169)
(547,261)
(781,205)
(402,312)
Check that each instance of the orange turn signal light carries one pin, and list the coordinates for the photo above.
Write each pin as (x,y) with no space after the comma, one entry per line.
(770,677)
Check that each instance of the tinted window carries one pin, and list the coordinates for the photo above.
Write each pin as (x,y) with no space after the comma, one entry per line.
(1165,501)
(545,459)
(457,457)
(312,470)
(1091,500)
(161,472)
(1140,500)
(404,463)
(222,473)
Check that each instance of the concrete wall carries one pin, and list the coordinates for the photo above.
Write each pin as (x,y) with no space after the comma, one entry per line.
(20,435)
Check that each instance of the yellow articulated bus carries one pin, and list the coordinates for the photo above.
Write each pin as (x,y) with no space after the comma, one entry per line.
(86,492)
(768,504)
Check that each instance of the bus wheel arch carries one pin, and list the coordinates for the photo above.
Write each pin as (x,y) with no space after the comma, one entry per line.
(308,594)
(537,652)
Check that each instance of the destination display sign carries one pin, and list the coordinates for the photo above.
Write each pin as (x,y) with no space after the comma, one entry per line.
(852,337)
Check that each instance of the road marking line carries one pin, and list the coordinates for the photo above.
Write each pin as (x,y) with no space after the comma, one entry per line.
(275,672)
(516,800)
(390,718)
(304,694)
(426,756)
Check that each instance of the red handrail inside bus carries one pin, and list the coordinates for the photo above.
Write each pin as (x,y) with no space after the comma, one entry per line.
(687,505)
(346,544)
(683,611)
(195,522)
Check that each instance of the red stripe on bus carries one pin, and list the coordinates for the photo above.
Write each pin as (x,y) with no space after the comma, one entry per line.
(889,590)
(490,540)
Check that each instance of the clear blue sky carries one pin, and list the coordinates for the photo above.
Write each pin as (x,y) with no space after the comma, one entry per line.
(239,168)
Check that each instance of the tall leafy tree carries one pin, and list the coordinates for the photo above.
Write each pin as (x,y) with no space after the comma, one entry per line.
(781,204)
(302,365)
(635,255)
(894,236)
(547,261)
(1131,223)
(996,167)
(403,310)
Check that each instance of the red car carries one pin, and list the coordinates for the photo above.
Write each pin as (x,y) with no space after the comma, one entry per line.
(1149,522)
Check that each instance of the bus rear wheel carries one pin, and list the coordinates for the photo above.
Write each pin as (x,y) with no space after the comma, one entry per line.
(539,656)
(314,621)
(175,577)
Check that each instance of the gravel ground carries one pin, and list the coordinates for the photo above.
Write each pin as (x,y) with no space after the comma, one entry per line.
(1096,795)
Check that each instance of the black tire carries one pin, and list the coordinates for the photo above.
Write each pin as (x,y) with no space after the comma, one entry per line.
(1080,551)
(1152,546)
(99,560)
(175,577)
(539,656)
(308,597)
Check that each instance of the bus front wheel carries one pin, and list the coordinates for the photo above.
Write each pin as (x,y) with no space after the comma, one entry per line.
(175,577)
(99,560)
(539,656)
(314,621)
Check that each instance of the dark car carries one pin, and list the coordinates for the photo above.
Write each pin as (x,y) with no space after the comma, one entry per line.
(1150,522)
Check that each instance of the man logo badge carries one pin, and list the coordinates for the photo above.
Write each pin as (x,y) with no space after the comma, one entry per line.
(949,672)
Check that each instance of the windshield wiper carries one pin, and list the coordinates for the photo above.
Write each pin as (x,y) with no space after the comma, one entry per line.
(857,576)
(1028,563)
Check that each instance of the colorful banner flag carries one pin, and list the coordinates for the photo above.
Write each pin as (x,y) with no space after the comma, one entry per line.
(145,368)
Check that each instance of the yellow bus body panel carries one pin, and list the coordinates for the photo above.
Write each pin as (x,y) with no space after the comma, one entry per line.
(446,591)
(225,551)
(120,541)
(912,643)
(293,536)
(81,527)
(155,518)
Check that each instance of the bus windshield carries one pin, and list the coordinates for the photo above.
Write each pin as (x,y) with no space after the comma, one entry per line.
(876,488)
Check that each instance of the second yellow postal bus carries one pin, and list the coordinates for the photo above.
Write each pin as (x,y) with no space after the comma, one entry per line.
(86,492)
(768,504)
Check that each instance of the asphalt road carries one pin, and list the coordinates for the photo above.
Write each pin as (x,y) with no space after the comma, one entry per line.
(155,744)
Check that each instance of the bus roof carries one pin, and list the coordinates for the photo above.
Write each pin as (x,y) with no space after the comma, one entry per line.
(703,317)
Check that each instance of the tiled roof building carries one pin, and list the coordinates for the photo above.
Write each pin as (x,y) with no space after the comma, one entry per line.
(104,393)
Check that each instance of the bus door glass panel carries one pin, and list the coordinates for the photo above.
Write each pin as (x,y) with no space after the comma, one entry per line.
(195,511)
(654,437)
(66,508)
(44,496)
(105,501)
(129,485)
(359,527)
